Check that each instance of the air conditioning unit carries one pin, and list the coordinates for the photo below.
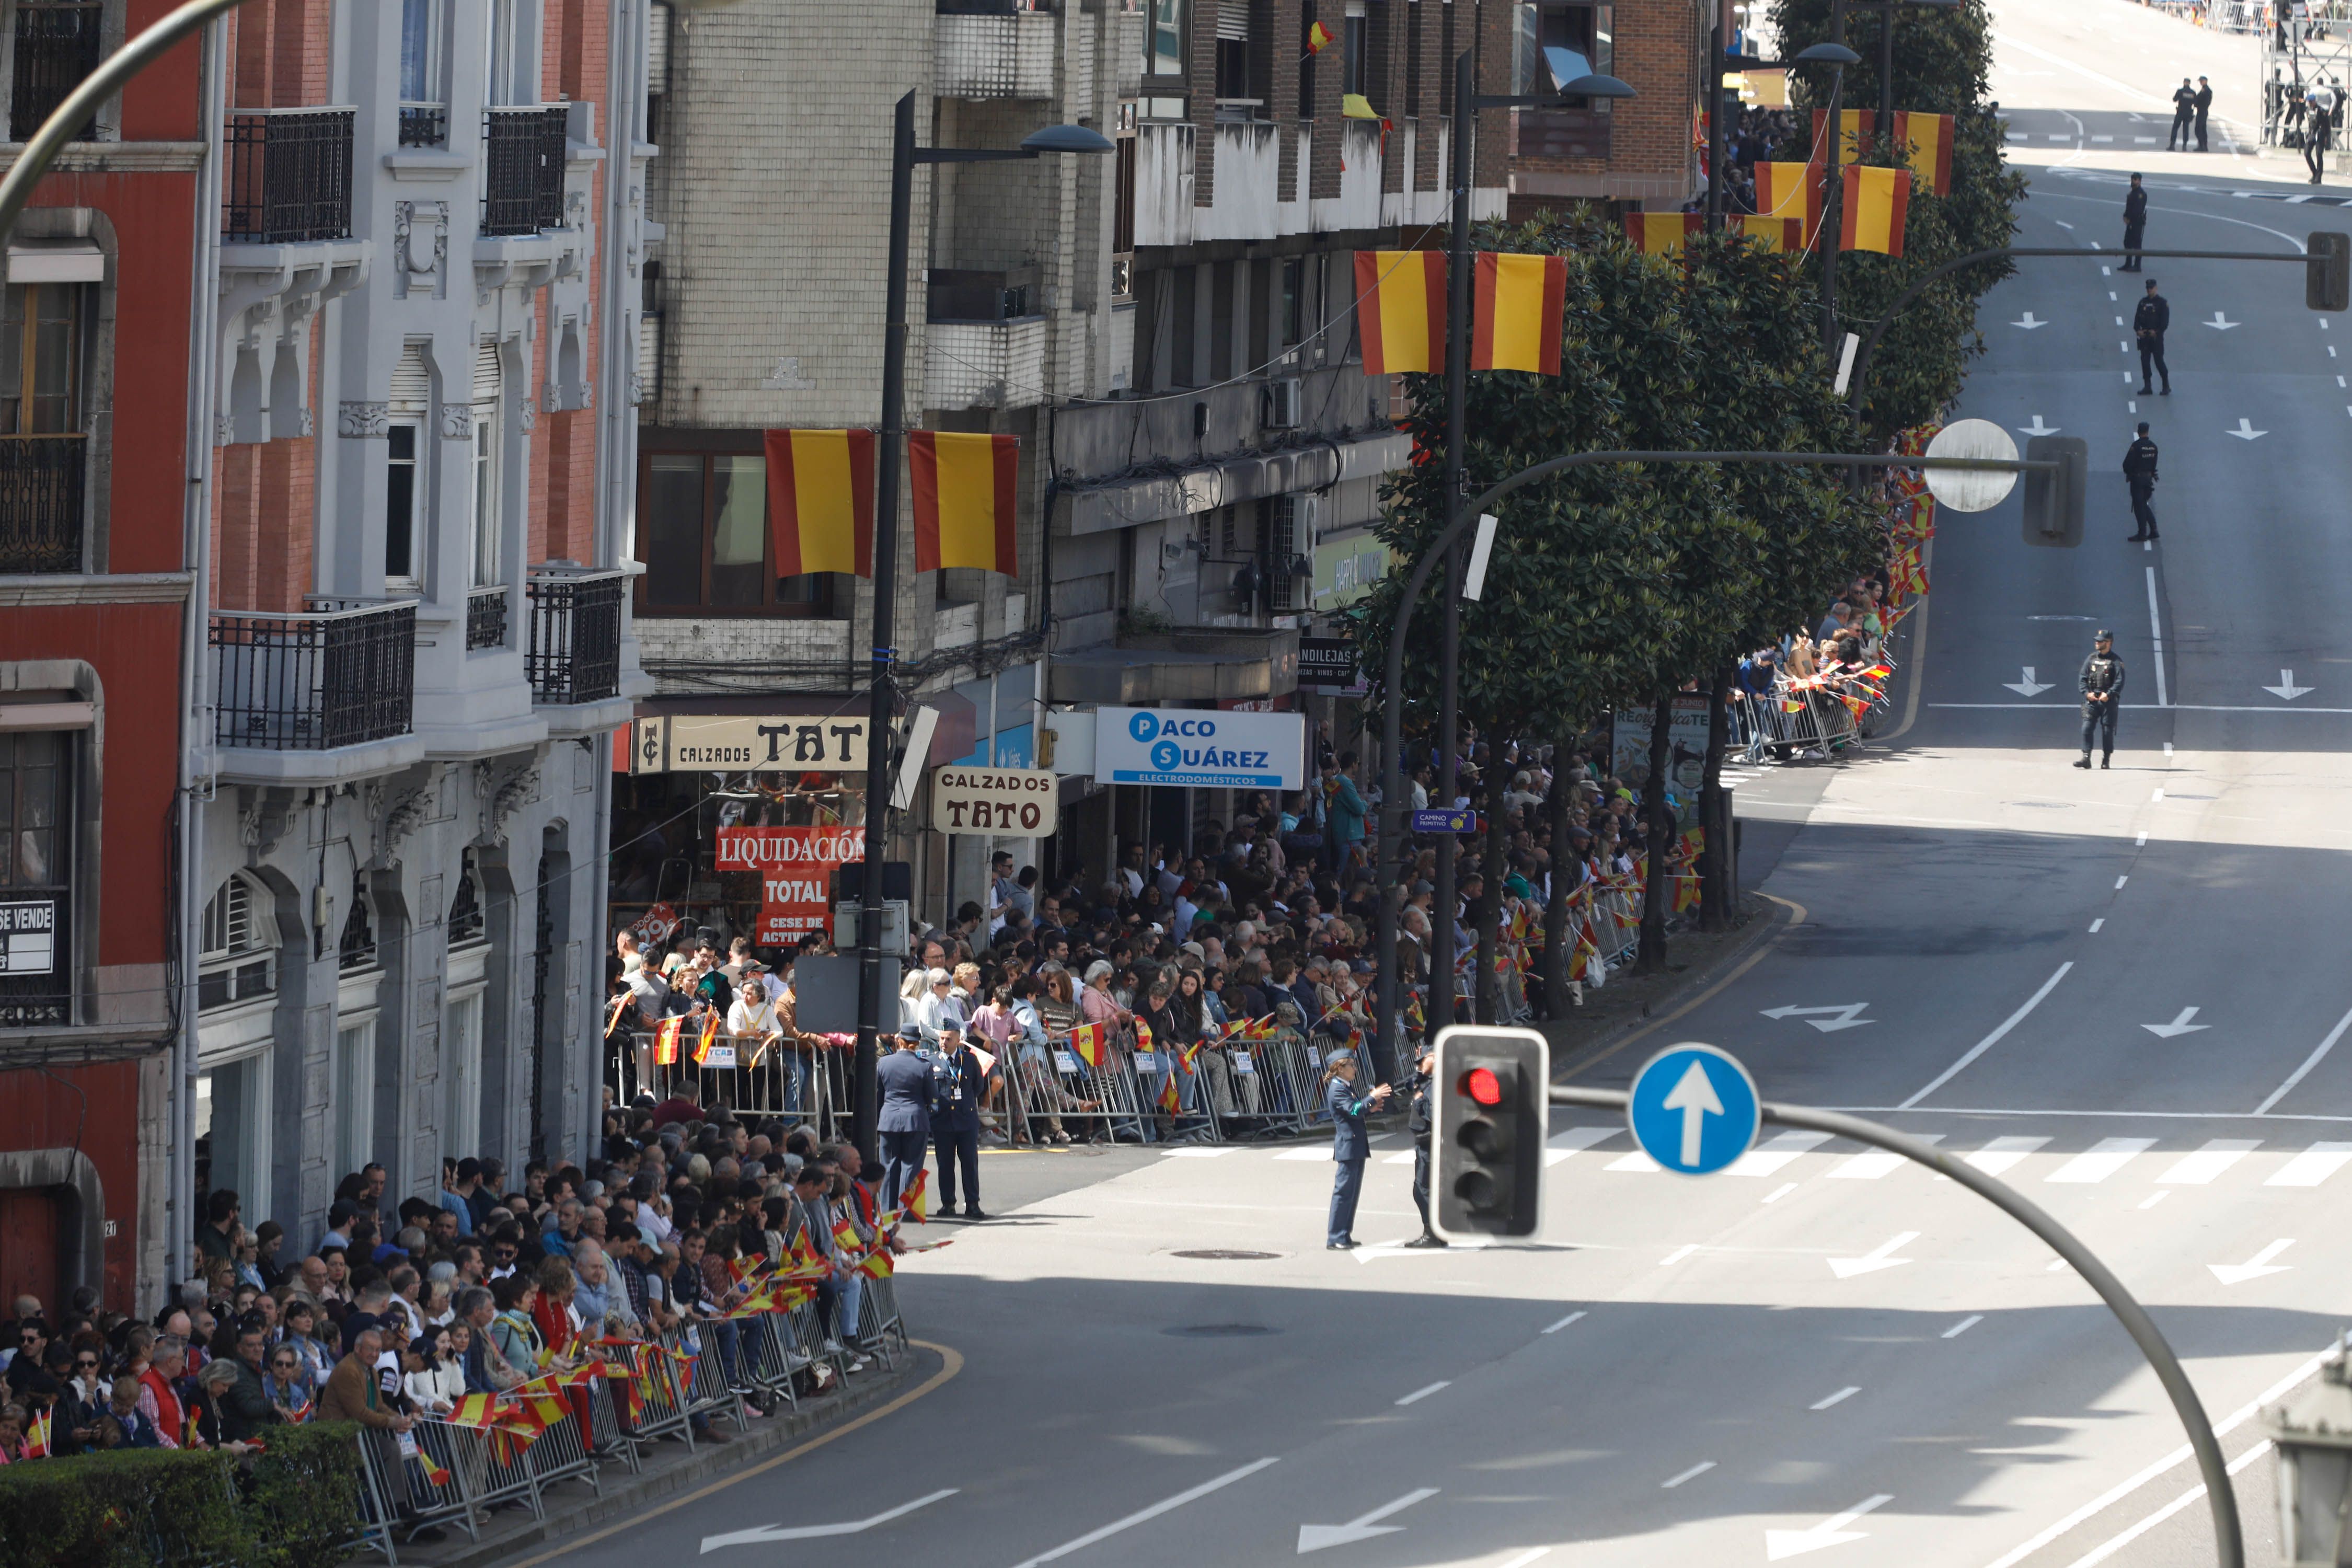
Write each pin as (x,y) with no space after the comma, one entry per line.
(1285,403)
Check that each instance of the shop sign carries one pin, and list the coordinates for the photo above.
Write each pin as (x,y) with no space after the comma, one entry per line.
(28,937)
(1203,749)
(795,866)
(1008,802)
(1629,746)
(791,742)
(1328,665)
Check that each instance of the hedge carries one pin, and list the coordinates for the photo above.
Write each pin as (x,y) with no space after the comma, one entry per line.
(298,1505)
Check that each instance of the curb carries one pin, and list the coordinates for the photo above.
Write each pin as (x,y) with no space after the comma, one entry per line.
(1775,916)
(626,1493)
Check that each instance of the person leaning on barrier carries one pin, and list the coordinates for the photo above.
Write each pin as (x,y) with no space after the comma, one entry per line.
(1351,1143)
(352,1393)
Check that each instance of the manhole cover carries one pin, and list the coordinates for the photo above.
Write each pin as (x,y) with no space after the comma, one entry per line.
(1219,1330)
(1228,1254)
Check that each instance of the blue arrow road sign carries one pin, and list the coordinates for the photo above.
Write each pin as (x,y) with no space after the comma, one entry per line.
(1694,1108)
(1446,822)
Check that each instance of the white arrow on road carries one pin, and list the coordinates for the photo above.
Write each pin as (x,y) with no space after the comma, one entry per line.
(2037,427)
(1316,1537)
(2029,323)
(2220,322)
(2178,1028)
(812,1531)
(2028,686)
(2286,687)
(1845,1017)
(1877,1259)
(2245,430)
(1780,1543)
(2253,1267)
(1695,1098)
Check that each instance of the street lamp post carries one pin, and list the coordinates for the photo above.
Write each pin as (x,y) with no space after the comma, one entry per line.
(1837,57)
(904,158)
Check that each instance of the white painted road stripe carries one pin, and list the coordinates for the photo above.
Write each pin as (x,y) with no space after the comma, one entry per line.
(1304,1154)
(1677,1255)
(2217,1156)
(1696,1470)
(1144,1515)
(2101,1553)
(1575,1141)
(1637,1161)
(2156,631)
(2002,1152)
(1418,1395)
(1964,1325)
(2313,1166)
(2309,1062)
(1981,1047)
(2102,1160)
(1839,1397)
(1780,1150)
(1563,1322)
(1877,1163)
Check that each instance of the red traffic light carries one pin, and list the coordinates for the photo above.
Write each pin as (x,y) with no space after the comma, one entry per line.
(1481,1085)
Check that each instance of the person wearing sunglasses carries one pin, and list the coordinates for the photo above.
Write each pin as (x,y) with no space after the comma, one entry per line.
(83,1405)
(288,1384)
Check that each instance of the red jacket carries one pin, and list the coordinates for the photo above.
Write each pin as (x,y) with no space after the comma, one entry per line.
(169,1417)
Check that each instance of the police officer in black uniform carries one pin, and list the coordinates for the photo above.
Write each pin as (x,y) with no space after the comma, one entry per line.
(2134,226)
(2149,319)
(2103,682)
(957,1084)
(2139,473)
(1417,1121)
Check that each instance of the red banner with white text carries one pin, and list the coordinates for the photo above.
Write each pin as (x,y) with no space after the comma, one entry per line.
(795,866)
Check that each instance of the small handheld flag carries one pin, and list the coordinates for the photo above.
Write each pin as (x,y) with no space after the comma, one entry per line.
(1320,37)
(666,1042)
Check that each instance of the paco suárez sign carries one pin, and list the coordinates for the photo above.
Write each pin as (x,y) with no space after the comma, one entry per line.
(1200,748)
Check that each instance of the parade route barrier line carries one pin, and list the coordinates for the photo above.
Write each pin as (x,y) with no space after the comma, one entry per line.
(1742,958)
(951,1363)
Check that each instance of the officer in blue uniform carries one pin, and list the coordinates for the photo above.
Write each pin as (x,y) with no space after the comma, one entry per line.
(904,1125)
(957,1084)
(1350,1144)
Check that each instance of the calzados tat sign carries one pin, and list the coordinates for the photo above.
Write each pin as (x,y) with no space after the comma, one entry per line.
(795,867)
(1010,803)
(727,744)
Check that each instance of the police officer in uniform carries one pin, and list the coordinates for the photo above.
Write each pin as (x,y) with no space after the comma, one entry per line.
(1352,1145)
(2149,319)
(2139,473)
(2103,682)
(957,1083)
(903,1128)
(1417,1121)
(2134,226)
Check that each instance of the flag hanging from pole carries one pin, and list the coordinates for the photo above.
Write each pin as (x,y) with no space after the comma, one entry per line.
(1927,142)
(1401,310)
(1516,323)
(1854,128)
(1875,204)
(1791,191)
(1780,235)
(1661,234)
(965,488)
(821,500)
(1320,37)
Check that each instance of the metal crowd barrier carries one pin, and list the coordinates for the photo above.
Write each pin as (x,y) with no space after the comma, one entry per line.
(560,1453)
(879,1319)
(705,1386)
(661,1405)
(785,1080)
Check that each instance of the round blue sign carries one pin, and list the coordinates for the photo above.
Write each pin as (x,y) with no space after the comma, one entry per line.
(1144,726)
(1694,1108)
(1166,756)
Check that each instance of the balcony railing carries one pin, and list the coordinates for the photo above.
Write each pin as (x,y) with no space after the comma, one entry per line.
(524,189)
(56,47)
(289,176)
(486,618)
(41,481)
(313,682)
(424,124)
(574,652)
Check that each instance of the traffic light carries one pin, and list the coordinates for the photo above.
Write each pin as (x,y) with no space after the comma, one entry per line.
(1489,1100)
(2328,271)
(2054,496)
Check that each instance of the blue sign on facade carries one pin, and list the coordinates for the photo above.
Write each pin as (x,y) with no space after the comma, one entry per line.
(1200,747)
(1465,821)
(1694,1108)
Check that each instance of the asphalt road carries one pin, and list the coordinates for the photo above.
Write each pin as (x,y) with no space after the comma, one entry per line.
(1817,1354)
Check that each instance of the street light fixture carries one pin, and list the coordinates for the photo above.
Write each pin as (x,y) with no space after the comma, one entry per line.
(1837,57)
(904,157)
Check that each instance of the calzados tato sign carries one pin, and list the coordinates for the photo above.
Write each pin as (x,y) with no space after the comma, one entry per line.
(1010,803)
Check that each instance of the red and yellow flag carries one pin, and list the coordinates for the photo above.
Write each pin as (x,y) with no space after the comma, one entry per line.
(1775,234)
(965,491)
(1854,125)
(1791,191)
(1142,1036)
(1661,234)
(1401,310)
(875,1265)
(1874,202)
(1169,1100)
(1928,139)
(1087,1041)
(1516,323)
(915,1198)
(1320,37)
(38,1442)
(821,501)
(666,1042)
(709,1037)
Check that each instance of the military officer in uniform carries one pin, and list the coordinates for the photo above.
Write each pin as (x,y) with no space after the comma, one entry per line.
(2103,682)
(1417,1122)
(957,1084)
(2139,474)
(2150,317)
(2135,225)
(1352,1145)
(903,1128)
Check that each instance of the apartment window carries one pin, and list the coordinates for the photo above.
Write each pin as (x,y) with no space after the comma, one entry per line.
(355,948)
(702,532)
(461,1077)
(56,46)
(1557,43)
(487,388)
(1163,37)
(36,854)
(354,1089)
(237,957)
(41,359)
(466,920)
(423,106)
(513,25)
(404,480)
(1355,48)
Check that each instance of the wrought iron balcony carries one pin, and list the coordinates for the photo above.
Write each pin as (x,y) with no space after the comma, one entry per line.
(485,618)
(313,682)
(424,124)
(41,483)
(522,192)
(289,176)
(56,47)
(574,652)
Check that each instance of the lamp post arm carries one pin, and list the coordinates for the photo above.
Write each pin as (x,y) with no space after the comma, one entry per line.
(82,104)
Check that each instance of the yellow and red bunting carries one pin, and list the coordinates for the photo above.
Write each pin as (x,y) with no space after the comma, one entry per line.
(1778,235)
(966,488)
(821,501)
(1087,1040)
(1401,310)
(1874,202)
(1855,127)
(1516,323)
(705,1040)
(666,1034)
(1661,234)
(1928,139)
(1791,191)
(1320,37)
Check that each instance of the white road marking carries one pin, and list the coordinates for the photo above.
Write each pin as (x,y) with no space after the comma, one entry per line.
(2100,1161)
(2142,842)
(1193,1154)
(2217,1156)
(1418,1395)
(2179,1027)
(2168,750)
(2027,686)
(1575,1141)
(2054,1266)
(1981,1047)
(1964,1325)
(2156,633)
(2309,1062)
(2313,1166)
(2106,1550)
(1166,1505)
(1637,1161)
(815,1532)
(2245,430)
(2158,794)
(2119,321)
(1841,1016)
(2156,1197)
(1782,1148)
(2061,221)
(1780,1543)
(1693,1473)
(1873,1163)
(2096,924)
(2143,141)
(2221,323)
(2002,1152)
(1364,1526)
(1303,1154)
(2120,881)
(1877,1258)
(1839,1397)
(2111,294)
(1677,1255)
(2253,1267)
(2286,690)
(2102,137)
(1556,1328)
(1406,1159)
(1523,1558)
(1783,1190)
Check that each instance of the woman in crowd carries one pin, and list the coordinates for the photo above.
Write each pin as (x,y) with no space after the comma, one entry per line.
(438,1379)
(286,1384)
(514,1333)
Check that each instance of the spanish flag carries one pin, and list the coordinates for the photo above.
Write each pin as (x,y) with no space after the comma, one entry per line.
(1170,1102)
(1087,1041)
(1142,1036)
(875,1265)
(1928,142)
(1791,191)
(1875,203)
(1515,325)
(1320,37)
(1854,126)
(914,1197)
(1661,234)
(965,488)
(1401,310)
(1780,235)
(821,500)
(703,1042)
(666,1042)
